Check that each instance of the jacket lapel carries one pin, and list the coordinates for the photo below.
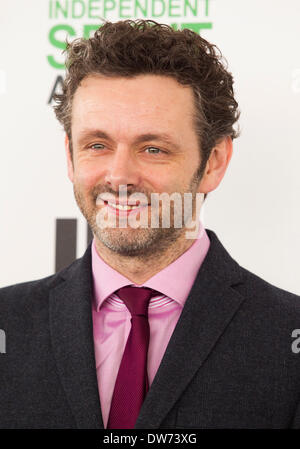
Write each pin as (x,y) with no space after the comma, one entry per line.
(72,341)
(208,310)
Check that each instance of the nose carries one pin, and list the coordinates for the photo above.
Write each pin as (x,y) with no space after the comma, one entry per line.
(123,169)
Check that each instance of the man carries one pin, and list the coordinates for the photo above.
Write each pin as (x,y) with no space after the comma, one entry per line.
(155,326)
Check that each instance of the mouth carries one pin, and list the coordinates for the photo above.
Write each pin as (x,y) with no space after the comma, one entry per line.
(122,208)
(125,206)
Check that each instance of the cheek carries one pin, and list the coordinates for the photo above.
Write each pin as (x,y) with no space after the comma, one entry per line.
(87,176)
(169,183)
(163,179)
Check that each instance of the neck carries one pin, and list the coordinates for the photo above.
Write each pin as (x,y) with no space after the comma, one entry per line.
(138,269)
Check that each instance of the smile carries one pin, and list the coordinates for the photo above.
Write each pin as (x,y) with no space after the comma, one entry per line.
(121,206)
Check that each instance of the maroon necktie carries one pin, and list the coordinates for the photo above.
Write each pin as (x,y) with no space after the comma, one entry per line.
(131,384)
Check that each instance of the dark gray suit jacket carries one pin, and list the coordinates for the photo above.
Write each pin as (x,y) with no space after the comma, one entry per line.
(229,363)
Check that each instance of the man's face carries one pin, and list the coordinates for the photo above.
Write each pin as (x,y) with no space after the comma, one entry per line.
(136,133)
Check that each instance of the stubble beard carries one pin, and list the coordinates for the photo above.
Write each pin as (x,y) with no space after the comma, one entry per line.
(139,242)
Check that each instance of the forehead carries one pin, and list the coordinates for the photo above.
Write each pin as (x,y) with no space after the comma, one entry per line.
(153,97)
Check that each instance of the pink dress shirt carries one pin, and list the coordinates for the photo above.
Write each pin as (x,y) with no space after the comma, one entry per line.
(111,318)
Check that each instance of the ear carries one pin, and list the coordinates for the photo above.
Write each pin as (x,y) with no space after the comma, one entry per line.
(69,159)
(216,165)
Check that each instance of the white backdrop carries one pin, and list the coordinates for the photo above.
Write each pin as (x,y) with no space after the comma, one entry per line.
(255,211)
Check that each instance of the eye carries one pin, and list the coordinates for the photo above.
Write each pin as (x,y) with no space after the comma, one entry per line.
(156,150)
(97,146)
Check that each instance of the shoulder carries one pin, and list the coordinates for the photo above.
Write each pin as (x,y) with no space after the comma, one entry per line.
(25,293)
(262,289)
(257,291)
(24,307)
(267,306)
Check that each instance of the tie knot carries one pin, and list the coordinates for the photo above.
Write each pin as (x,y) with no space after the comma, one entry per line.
(136,299)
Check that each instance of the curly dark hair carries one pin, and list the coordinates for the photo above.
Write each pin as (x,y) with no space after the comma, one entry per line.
(128,48)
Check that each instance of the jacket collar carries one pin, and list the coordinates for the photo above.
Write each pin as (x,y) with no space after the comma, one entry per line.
(71,331)
(208,310)
(211,305)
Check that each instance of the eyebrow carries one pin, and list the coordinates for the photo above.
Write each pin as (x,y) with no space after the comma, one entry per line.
(92,133)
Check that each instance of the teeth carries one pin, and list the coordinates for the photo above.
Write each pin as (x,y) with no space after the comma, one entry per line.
(121,207)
